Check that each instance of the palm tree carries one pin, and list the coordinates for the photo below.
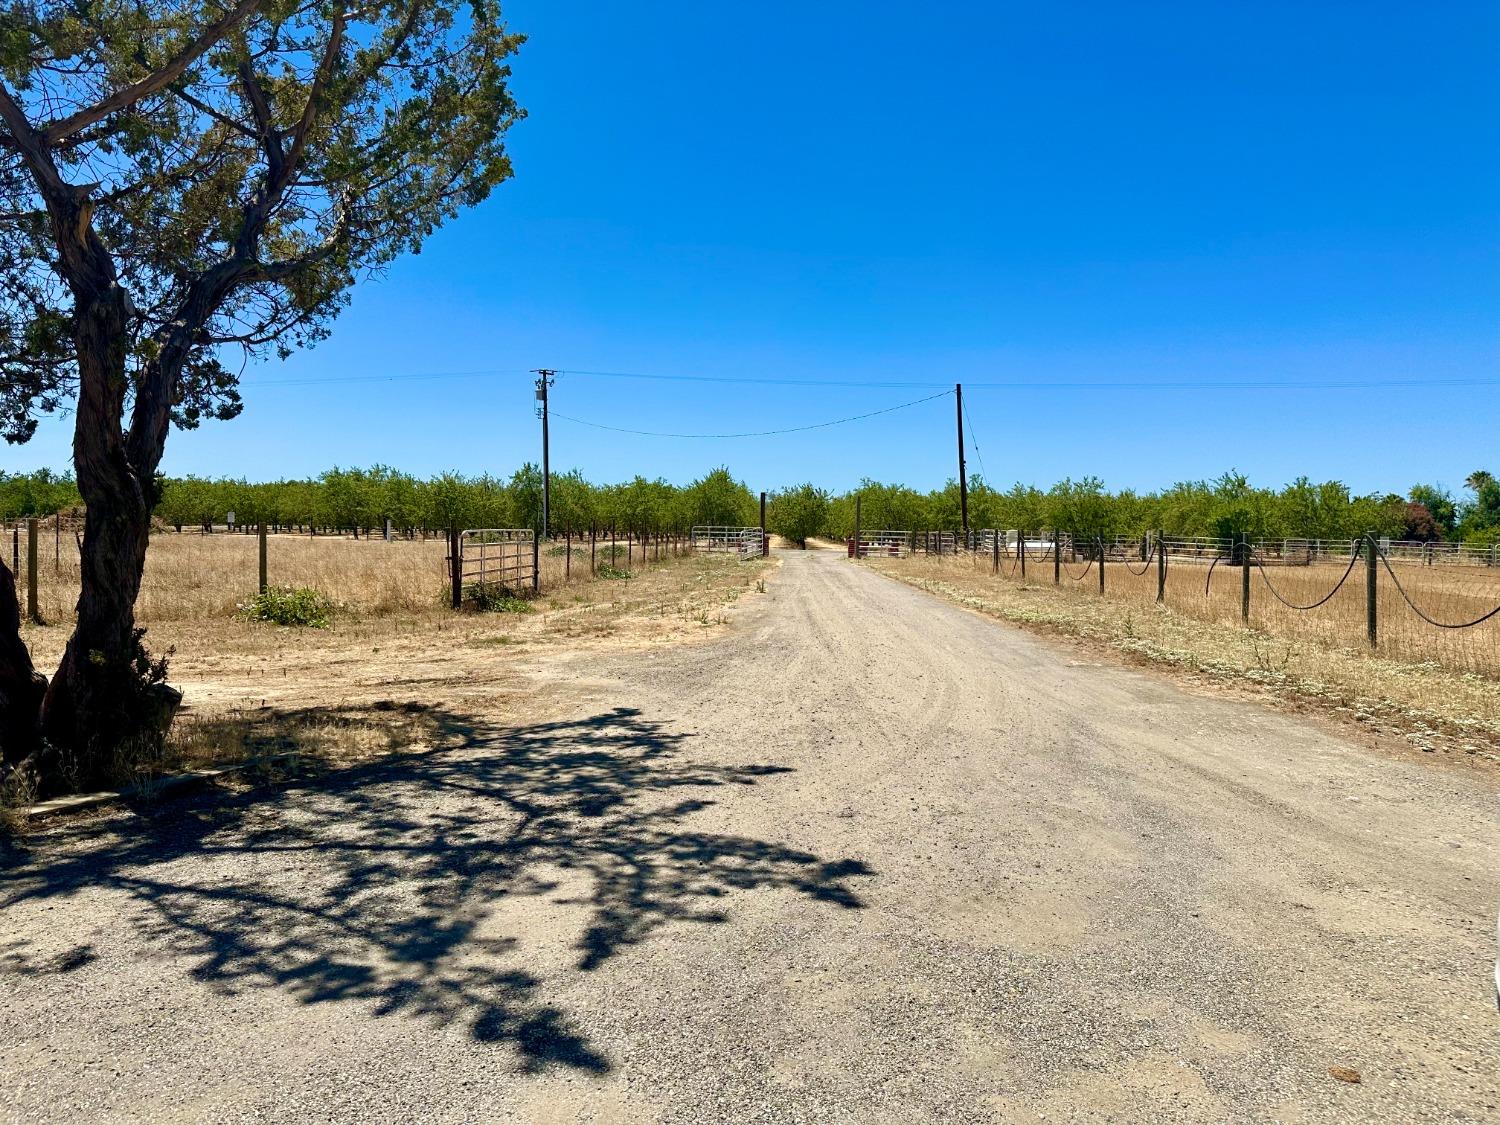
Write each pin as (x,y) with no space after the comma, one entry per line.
(1478,479)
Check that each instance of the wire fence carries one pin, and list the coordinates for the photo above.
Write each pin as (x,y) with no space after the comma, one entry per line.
(198,576)
(1395,599)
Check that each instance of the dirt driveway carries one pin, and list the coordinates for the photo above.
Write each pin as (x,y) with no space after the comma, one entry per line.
(865,857)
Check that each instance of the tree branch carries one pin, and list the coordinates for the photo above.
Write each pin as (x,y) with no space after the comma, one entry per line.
(315,93)
(123,99)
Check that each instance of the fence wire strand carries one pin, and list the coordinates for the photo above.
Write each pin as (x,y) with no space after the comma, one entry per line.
(1145,563)
(1418,611)
(1275,593)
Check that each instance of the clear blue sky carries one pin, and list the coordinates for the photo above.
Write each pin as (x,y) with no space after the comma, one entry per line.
(930,193)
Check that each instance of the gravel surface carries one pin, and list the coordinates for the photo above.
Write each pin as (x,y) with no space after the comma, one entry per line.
(865,857)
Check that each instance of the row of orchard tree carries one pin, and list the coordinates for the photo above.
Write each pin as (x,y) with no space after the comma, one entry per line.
(358,500)
(1226,507)
(344,500)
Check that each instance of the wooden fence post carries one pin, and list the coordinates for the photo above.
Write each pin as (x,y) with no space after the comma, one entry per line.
(536,564)
(1056,558)
(1370,598)
(1101,564)
(455,568)
(593,549)
(995,553)
(1021,550)
(856,527)
(568,553)
(264,572)
(1245,577)
(31,553)
(1161,569)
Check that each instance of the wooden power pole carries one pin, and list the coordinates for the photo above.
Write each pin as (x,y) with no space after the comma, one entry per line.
(963,477)
(545,377)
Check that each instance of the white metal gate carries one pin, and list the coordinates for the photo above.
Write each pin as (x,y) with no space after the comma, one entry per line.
(746,542)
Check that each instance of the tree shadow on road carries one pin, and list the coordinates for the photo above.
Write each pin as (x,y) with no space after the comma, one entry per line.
(381,884)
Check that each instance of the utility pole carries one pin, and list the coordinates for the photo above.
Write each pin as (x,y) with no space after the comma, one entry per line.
(963,477)
(545,378)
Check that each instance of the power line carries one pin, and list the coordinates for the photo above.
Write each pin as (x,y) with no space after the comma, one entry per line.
(761,433)
(1010,384)
(1073,384)
(974,441)
(393,378)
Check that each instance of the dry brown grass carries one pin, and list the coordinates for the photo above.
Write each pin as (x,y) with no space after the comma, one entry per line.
(365,686)
(193,577)
(1436,688)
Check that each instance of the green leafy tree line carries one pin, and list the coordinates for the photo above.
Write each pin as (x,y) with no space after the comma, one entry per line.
(362,499)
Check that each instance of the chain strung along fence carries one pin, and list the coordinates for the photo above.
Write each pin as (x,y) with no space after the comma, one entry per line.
(1406,601)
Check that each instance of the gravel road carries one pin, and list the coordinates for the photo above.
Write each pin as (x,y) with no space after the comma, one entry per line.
(864,857)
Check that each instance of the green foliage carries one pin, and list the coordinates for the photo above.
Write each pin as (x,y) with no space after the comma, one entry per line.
(798,513)
(26,495)
(1479,518)
(285,605)
(341,499)
(607,571)
(489,597)
(242,185)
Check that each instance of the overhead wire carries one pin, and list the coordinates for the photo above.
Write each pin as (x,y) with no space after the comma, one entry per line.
(757,433)
(991,384)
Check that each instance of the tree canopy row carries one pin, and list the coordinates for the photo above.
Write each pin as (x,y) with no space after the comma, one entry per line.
(345,499)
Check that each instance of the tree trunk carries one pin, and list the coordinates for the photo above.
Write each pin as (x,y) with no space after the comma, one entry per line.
(107,699)
(21,686)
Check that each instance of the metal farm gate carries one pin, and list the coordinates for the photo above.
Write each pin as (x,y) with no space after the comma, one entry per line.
(493,558)
(881,544)
(746,542)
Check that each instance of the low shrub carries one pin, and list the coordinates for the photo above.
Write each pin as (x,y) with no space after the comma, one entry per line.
(613,572)
(293,606)
(488,597)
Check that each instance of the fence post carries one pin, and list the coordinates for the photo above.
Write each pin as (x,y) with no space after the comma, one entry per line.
(593,549)
(57,541)
(1021,550)
(455,568)
(1161,569)
(856,527)
(536,563)
(611,544)
(568,555)
(1101,564)
(763,541)
(1370,600)
(264,573)
(15,548)
(1245,577)
(995,552)
(31,606)
(1056,558)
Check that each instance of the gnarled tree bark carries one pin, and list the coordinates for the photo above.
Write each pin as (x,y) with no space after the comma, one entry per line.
(21,686)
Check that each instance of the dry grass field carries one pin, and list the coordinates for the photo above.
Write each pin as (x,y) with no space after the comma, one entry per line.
(1437,688)
(366,685)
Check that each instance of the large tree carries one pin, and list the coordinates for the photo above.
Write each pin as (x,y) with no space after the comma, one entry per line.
(185,181)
